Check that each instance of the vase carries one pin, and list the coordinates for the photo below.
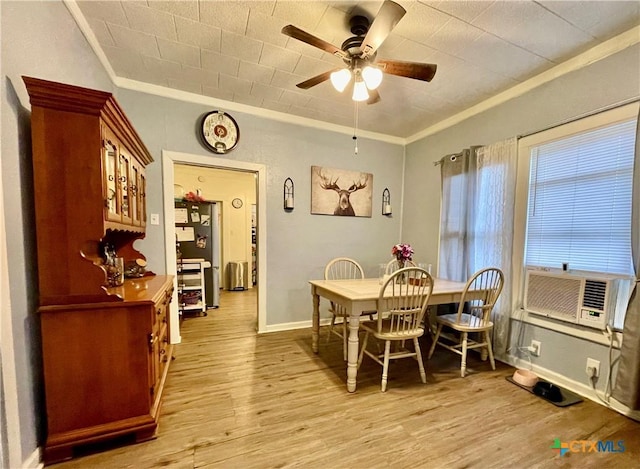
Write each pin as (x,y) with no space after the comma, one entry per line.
(400,278)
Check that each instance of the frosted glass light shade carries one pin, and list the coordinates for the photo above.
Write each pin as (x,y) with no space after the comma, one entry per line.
(340,79)
(372,77)
(360,92)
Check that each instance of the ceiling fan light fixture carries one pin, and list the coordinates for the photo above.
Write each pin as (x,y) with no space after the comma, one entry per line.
(372,77)
(360,92)
(340,79)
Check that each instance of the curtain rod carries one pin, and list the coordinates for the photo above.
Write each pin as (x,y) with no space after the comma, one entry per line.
(582,116)
(438,162)
(567,121)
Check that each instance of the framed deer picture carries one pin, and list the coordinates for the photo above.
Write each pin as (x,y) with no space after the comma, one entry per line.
(340,192)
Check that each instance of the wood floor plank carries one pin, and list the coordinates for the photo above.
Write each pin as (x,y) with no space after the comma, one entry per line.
(235,399)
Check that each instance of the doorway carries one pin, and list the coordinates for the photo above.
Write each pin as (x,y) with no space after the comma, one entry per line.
(169,159)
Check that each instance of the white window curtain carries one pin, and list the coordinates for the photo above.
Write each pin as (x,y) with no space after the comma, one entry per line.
(476,223)
(627,387)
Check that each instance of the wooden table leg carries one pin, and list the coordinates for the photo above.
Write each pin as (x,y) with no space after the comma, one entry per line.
(352,352)
(315,326)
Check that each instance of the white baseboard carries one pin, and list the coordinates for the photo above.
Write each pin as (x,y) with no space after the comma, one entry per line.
(290,326)
(34,461)
(579,388)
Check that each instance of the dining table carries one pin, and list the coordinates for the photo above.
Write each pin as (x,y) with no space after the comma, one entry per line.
(358,296)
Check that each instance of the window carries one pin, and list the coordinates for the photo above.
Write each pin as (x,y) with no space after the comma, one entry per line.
(574,194)
(579,209)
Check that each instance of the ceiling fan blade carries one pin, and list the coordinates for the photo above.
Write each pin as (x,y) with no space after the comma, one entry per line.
(388,16)
(314,41)
(374,97)
(416,70)
(313,81)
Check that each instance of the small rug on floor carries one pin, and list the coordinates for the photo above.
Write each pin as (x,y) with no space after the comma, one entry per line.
(568,397)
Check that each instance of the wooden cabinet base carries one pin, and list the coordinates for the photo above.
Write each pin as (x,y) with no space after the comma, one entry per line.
(105,366)
(64,446)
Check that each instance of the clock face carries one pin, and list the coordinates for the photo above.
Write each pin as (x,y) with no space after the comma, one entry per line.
(237,203)
(219,132)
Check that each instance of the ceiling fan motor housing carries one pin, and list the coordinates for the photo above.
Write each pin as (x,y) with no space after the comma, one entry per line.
(359,25)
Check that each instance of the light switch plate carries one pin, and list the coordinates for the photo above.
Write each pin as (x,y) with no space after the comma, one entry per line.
(155,219)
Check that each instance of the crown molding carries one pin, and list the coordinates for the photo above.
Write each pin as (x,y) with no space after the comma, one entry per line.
(165,92)
(599,52)
(186,96)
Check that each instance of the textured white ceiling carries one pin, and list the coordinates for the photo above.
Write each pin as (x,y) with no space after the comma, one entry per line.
(234,51)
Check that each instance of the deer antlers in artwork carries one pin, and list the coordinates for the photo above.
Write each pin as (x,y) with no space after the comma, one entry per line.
(344,205)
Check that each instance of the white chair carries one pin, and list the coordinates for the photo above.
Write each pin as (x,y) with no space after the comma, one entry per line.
(342,268)
(393,265)
(401,307)
(474,316)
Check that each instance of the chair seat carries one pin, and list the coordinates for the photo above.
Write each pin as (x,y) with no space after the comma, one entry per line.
(468,323)
(385,334)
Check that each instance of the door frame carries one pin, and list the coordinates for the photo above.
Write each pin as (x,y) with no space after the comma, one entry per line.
(169,158)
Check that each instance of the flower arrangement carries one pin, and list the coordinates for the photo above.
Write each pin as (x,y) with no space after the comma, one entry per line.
(403,253)
(193,197)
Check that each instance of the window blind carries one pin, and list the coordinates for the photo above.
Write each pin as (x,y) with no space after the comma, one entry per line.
(579,209)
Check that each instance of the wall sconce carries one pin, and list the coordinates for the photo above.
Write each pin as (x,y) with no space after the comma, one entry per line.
(386,202)
(288,195)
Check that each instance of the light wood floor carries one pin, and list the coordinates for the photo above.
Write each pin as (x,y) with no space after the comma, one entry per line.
(238,400)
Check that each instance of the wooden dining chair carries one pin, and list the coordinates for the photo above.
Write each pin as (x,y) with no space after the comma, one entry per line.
(402,303)
(392,266)
(342,268)
(474,316)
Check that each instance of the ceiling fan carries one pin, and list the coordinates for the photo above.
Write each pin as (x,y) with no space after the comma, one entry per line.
(359,54)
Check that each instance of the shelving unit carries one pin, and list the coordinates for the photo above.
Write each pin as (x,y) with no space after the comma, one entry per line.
(191,286)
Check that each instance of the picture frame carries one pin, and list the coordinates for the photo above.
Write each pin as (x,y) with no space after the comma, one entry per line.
(341,192)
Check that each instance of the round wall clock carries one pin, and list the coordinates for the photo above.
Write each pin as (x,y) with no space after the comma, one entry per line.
(237,203)
(219,132)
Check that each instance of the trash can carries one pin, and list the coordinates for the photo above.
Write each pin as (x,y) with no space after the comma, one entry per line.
(238,275)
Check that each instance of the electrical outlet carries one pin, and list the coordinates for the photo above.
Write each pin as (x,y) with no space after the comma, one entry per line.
(593,368)
(535,347)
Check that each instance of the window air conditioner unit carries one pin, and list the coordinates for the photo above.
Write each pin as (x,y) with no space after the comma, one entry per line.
(584,299)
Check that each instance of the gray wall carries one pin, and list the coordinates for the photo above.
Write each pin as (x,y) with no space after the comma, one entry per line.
(298,244)
(41,40)
(609,81)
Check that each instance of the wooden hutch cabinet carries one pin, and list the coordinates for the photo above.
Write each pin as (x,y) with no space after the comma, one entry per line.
(105,348)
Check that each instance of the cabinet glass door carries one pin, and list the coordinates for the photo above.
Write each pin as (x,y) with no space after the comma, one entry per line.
(110,186)
(124,171)
(133,190)
(142,197)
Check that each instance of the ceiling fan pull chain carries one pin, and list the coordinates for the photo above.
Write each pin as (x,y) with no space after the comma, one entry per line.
(355,128)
